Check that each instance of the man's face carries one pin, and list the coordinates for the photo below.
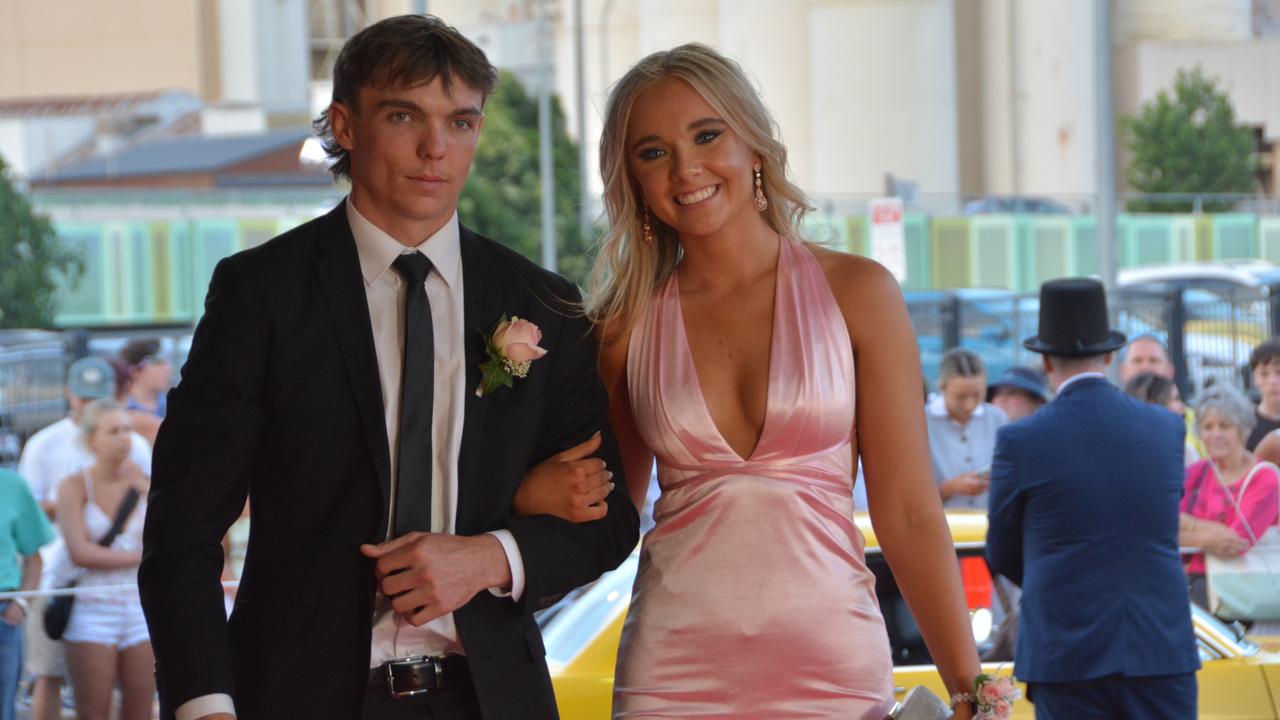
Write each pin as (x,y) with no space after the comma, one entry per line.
(411,150)
(1266,377)
(1145,355)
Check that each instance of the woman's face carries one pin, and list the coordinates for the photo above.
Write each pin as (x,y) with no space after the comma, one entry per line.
(963,395)
(112,440)
(694,173)
(155,373)
(1222,439)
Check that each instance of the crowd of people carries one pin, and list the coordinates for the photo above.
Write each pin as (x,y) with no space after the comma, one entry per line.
(81,481)
(419,491)
(1228,440)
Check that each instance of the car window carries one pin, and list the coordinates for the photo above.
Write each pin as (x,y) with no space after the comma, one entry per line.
(580,616)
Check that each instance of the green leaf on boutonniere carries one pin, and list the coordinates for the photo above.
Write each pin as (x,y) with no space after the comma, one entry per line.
(494,373)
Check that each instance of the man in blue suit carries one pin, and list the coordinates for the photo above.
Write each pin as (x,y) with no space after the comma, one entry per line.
(1084,516)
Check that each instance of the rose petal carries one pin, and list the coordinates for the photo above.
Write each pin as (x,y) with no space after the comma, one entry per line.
(520,352)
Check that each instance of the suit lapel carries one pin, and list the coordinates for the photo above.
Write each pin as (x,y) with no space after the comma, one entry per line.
(338,267)
(483,297)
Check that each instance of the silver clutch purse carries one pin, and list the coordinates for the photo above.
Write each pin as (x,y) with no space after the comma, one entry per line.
(920,704)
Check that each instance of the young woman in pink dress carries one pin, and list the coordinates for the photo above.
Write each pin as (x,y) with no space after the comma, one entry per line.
(756,369)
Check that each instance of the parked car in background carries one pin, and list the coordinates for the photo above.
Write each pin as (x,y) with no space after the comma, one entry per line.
(1238,679)
(989,322)
(1014,204)
(1225,307)
(32,374)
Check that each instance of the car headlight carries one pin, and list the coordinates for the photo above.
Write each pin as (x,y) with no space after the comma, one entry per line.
(983,624)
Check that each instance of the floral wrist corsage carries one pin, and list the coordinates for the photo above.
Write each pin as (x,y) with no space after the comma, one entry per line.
(992,697)
(512,348)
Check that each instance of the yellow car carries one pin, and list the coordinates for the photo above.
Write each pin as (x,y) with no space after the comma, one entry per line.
(1239,678)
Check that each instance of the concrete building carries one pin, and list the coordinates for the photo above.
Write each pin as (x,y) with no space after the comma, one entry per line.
(245,62)
(963,97)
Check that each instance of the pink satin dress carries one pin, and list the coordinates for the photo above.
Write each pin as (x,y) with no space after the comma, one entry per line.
(753,599)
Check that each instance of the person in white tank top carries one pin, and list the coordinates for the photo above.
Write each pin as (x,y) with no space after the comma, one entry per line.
(107,630)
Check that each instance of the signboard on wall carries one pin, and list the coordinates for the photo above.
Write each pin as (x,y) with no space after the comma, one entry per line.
(888,240)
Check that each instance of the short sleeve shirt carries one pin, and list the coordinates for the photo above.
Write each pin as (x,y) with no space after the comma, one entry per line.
(1205,497)
(956,448)
(24,528)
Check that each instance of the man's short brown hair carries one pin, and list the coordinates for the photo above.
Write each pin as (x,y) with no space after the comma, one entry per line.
(1265,353)
(405,51)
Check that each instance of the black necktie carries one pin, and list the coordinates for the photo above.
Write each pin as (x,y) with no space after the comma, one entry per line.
(417,392)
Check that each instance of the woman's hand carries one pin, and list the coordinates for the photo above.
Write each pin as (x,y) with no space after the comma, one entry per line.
(969,483)
(1221,540)
(963,711)
(13,614)
(570,485)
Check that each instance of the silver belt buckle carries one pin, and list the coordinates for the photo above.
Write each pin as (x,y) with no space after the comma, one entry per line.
(437,663)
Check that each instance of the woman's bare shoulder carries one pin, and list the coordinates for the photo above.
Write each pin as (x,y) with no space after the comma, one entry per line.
(857,282)
(72,485)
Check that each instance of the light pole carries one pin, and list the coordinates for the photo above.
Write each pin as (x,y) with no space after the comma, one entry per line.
(545,169)
(1106,181)
(580,62)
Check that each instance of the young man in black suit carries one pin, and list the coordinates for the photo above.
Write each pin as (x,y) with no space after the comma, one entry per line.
(336,381)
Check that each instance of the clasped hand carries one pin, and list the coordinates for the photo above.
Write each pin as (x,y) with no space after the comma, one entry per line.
(570,485)
(967,483)
(1222,541)
(429,575)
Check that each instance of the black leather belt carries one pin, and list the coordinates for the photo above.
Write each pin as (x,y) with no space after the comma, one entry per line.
(413,676)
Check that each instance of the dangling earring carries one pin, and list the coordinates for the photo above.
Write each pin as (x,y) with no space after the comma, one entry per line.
(648,231)
(762,203)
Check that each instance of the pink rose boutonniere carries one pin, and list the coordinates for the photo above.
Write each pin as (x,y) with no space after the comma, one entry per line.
(512,348)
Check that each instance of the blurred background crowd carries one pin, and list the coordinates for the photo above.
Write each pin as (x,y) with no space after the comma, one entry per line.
(1011,141)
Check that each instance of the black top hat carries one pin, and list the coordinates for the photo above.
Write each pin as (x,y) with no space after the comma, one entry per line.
(1073,320)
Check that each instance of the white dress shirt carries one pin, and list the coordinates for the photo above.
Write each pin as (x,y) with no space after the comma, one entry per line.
(394,637)
(1076,378)
(956,448)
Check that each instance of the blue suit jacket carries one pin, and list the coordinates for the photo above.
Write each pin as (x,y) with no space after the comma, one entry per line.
(1084,516)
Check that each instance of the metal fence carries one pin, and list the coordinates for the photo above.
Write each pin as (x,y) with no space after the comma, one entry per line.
(1209,331)
(31,381)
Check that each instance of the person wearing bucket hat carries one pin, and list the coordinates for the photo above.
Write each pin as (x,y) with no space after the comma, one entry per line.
(1019,392)
(1091,640)
(50,455)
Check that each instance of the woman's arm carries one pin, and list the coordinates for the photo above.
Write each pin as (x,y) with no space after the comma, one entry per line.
(1209,535)
(637,458)
(905,507)
(570,485)
(85,551)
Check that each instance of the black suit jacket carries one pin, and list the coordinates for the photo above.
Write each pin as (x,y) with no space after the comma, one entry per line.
(280,402)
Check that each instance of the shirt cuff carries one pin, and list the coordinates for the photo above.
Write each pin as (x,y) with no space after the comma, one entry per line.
(514,559)
(205,705)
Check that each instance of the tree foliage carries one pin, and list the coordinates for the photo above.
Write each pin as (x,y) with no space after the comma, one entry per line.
(503,197)
(1188,142)
(33,263)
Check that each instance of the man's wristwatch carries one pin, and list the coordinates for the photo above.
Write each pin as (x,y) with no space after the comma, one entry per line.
(24,604)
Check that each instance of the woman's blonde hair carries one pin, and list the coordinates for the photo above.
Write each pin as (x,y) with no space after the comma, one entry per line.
(626,268)
(91,416)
